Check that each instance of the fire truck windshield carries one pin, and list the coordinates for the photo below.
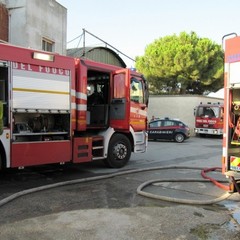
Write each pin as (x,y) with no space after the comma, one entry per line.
(206,111)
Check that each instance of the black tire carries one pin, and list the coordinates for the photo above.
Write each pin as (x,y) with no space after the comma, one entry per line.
(179,138)
(119,151)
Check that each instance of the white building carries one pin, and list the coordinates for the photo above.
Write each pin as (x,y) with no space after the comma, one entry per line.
(39,24)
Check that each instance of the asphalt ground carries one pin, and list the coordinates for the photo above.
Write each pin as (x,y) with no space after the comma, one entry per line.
(112,209)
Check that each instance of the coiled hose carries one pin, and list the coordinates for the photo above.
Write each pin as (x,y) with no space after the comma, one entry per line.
(139,189)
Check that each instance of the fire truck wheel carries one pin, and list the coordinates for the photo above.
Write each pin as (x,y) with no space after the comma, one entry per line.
(179,137)
(119,151)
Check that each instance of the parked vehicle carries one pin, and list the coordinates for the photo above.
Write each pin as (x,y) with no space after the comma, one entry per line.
(209,119)
(168,129)
(58,109)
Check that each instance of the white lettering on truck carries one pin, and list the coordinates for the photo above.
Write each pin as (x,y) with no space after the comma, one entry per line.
(41,69)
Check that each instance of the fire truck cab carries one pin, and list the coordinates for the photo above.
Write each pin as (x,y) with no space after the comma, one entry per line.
(209,119)
(58,109)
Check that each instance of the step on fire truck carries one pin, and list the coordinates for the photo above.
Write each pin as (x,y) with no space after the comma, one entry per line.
(209,119)
(59,109)
(231,136)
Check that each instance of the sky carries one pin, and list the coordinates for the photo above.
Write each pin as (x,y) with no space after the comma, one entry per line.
(131,25)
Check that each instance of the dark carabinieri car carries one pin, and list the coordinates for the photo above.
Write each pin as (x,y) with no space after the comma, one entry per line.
(168,129)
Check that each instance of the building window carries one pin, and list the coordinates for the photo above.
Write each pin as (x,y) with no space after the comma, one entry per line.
(47,45)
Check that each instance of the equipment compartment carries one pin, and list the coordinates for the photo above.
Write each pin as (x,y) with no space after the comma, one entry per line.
(41,127)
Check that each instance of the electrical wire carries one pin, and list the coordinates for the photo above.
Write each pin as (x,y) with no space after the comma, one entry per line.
(80,36)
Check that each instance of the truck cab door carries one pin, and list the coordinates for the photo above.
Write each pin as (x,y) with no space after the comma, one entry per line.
(138,103)
(120,100)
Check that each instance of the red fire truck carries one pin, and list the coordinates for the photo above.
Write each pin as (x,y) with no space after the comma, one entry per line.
(231,136)
(209,119)
(59,109)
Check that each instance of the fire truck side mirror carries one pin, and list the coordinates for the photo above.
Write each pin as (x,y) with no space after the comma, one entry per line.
(1,117)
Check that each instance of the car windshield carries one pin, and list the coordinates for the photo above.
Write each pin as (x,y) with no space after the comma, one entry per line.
(182,124)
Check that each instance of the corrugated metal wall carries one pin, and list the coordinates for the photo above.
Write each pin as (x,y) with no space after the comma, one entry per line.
(101,55)
(98,54)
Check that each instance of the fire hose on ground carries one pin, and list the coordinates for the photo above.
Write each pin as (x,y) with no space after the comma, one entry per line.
(187,201)
(139,189)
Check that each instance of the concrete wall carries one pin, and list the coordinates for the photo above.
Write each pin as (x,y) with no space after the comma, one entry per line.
(174,106)
(31,21)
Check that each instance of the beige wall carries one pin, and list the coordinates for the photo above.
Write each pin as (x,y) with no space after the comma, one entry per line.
(180,107)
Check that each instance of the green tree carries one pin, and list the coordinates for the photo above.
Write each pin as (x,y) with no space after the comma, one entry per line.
(182,64)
